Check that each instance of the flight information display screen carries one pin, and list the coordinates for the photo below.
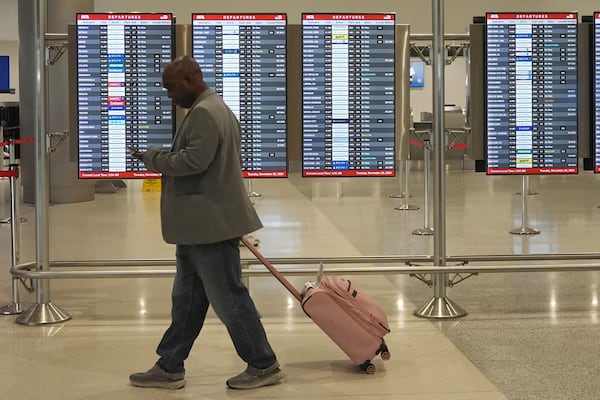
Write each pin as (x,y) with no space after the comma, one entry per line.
(596,91)
(531,93)
(348,88)
(120,98)
(243,57)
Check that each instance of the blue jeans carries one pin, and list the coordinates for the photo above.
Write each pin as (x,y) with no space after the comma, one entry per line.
(211,274)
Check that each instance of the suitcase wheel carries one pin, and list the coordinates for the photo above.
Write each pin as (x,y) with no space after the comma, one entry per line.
(368,367)
(384,351)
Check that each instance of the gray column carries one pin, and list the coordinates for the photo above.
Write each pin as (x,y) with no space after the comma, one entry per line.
(65,187)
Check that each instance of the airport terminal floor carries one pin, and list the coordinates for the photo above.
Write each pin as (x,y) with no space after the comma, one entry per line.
(526,335)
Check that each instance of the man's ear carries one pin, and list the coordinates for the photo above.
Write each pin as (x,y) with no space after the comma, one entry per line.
(187,78)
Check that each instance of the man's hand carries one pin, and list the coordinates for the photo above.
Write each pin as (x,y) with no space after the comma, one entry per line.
(135,152)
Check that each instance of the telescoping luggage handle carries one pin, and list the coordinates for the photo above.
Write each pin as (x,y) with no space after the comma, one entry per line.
(272,269)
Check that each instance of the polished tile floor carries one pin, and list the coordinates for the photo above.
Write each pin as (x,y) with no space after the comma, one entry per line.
(527,335)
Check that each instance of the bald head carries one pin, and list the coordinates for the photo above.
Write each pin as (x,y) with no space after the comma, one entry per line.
(183,80)
(183,65)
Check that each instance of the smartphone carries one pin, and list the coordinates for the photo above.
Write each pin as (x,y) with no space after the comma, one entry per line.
(132,149)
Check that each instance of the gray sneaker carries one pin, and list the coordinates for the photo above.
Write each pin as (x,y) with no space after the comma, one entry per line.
(253,378)
(156,377)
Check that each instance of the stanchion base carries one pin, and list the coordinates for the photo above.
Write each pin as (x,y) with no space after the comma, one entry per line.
(406,207)
(43,313)
(11,308)
(423,231)
(525,231)
(440,307)
(254,194)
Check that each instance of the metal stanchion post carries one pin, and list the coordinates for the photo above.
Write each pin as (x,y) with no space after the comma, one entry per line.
(529,192)
(524,229)
(245,266)
(3,124)
(32,38)
(440,305)
(14,307)
(252,193)
(401,169)
(6,220)
(12,160)
(251,237)
(426,230)
(406,193)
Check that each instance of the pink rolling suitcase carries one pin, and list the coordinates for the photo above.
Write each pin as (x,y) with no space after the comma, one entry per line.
(345,313)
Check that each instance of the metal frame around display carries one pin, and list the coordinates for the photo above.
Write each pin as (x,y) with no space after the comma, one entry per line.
(439,306)
(23,270)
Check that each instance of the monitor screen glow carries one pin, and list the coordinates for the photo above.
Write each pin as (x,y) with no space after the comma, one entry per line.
(120,98)
(417,74)
(243,58)
(348,95)
(4,74)
(531,93)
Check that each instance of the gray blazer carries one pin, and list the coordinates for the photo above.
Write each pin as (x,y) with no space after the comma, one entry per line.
(203,197)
